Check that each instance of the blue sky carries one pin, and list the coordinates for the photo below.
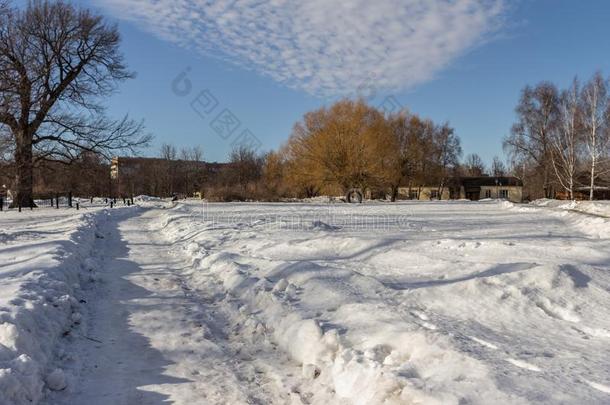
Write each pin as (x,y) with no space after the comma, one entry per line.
(462,61)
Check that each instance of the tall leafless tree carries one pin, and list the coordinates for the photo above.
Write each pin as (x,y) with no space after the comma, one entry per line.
(246,166)
(566,140)
(498,168)
(446,156)
(529,140)
(57,63)
(596,106)
(169,153)
(474,165)
(189,168)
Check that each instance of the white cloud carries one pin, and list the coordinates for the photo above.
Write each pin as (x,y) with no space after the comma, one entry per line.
(324,47)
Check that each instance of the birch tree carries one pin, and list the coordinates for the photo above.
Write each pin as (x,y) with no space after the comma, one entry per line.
(567,139)
(447,154)
(595,104)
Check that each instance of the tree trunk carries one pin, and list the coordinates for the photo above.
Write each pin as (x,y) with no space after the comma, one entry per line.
(591,190)
(24,173)
(545,185)
(393,193)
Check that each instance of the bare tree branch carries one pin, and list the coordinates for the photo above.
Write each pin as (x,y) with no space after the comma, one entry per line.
(58,63)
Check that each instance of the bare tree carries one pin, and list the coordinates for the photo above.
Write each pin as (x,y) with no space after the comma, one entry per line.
(196,154)
(595,104)
(57,62)
(530,137)
(189,169)
(169,153)
(447,152)
(474,165)
(498,168)
(566,140)
(246,167)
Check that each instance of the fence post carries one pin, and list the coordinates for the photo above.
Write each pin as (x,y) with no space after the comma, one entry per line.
(70,199)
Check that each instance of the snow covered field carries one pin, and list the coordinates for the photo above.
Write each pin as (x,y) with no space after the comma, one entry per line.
(440,302)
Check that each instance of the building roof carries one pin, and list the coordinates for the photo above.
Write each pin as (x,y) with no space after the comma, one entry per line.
(488,181)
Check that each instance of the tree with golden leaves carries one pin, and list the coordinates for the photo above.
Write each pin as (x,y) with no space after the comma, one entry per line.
(347,145)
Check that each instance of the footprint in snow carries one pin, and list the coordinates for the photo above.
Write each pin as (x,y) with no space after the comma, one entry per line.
(424,320)
(420,315)
(484,343)
(599,387)
(524,365)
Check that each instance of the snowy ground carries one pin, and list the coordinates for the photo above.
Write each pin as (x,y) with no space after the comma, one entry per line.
(306,303)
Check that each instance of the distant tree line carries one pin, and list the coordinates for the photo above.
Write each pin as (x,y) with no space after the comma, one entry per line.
(349,145)
(560,143)
(331,150)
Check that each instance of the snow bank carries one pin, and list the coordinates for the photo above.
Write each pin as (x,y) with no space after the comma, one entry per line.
(146,198)
(590,217)
(45,258)
(350,343)
(601,208)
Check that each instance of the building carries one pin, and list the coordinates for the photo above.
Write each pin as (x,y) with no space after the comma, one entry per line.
(131,176)
(469,188)
(424,193)
(476,188)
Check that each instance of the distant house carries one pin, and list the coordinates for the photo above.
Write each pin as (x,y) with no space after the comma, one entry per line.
(424,193)
(470,188)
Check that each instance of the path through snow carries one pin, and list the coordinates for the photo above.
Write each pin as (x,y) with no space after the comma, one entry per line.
(156,340)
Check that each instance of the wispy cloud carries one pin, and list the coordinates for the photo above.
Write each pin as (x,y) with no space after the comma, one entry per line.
(325,47)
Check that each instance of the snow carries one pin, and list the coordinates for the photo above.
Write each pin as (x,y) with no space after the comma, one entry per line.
(601,208)
(56,380)
(41,254)
(315,303)
(594,222)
